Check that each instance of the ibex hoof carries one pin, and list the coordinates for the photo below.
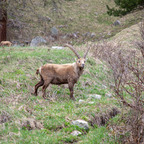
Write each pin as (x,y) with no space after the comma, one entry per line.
(44,97)
(35,94)
(73,98)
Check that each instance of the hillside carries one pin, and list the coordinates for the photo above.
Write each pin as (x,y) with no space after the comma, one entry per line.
(86,20)
(49,121)
(17,80)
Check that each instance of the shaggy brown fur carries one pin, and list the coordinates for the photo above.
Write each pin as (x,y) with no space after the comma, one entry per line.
(6,43)
(60,74)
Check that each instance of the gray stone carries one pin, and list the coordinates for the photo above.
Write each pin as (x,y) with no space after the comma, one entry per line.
(54,31)
(37,41)
(91,102)
(108,95)
(117,22)
(81,124)
(51,38)
(88,34)
(81,101)
(96,96)
(64,37)
(93,35)
(57,47)
(76,133)
(16,45)
(75,35)
(96,13)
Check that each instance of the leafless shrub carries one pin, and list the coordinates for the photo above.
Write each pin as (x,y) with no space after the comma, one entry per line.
(128,82)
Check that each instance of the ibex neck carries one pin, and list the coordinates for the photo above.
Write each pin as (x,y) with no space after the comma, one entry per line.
(78,70)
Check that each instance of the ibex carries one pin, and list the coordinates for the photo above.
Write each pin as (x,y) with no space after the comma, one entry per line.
(61,73)
(5,43)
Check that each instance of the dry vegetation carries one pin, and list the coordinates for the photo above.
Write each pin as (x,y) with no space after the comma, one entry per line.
(128,84)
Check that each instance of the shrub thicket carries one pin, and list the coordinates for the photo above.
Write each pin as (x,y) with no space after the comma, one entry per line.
(124,7)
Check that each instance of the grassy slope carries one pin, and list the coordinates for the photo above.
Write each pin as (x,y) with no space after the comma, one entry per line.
(83,16)
(17,80)
(76,16)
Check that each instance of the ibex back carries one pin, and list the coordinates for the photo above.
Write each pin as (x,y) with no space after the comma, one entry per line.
(61,73)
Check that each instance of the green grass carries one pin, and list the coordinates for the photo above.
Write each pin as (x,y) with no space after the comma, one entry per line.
(17,80)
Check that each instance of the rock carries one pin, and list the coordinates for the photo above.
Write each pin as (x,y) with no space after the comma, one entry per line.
(57,47)
(96,13)
(16,45)
(81,101)
(64,37)
(54,31)
(109,33)
(75,35)
(37,41)
(81,124)
(87,34)
(108,95)
(117,22)
(76,133)
(93,35)
(31,124)
(96,96)
(91,102)
(22,44)
(51,38)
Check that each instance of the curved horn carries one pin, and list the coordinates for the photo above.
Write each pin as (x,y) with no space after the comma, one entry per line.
(87,52)
(71,47)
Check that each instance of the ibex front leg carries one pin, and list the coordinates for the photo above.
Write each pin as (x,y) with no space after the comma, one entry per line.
(71,86)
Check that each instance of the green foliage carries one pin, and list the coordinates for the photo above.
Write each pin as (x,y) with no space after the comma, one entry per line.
(125,6)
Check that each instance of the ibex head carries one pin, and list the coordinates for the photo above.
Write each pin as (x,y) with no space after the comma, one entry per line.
(81,60)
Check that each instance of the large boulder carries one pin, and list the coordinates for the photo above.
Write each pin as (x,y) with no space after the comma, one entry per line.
(37,41)
(81,124)
(54,31)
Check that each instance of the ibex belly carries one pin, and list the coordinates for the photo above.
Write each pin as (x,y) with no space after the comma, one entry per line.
(59,81)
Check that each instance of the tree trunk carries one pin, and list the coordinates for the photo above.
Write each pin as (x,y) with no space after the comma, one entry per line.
(3,23)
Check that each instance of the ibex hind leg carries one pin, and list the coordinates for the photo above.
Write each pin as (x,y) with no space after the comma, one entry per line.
(39,84)
(46,84)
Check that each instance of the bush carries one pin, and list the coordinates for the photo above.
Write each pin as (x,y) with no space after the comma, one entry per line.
(128,84)
(125,6)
